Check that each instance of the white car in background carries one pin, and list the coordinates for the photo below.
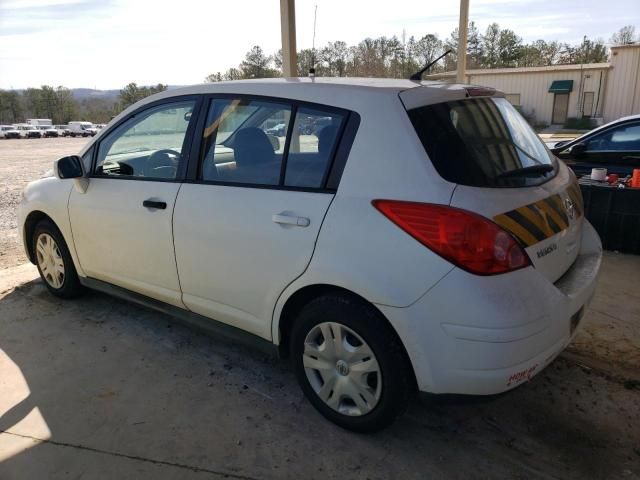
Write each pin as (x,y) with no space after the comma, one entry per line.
(63,130)
(48,130)
(425,240)
(9,131)
(28,131)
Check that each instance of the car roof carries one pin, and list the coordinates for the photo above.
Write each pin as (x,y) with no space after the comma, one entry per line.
(629,117)
(599,129)
(308,87)
(395,84)
(352,93)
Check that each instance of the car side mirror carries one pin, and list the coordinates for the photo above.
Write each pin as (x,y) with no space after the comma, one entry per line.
(68,167)
(578,149)
(71,167)
(275,142)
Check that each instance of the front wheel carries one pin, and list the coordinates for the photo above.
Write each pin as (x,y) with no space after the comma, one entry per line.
(54,261)
(349,363)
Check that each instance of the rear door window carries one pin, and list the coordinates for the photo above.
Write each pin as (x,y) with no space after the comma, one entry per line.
(314,138)
(482,142)
(263,142)
(244,141)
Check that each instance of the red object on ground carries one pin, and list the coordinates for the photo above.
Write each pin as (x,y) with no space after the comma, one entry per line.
(635,180)
(612,178)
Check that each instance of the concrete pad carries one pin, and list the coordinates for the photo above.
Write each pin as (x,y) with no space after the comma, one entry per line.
(62,461)
(100,388)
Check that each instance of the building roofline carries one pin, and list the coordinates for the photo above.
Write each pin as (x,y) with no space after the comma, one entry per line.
(626,45)
(550,68)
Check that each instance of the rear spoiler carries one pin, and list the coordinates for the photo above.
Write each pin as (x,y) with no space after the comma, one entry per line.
(444,92)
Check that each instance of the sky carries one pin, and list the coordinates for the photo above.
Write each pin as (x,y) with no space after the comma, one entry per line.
(107,44)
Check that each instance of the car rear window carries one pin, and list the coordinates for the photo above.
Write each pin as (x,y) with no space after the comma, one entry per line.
(482,142)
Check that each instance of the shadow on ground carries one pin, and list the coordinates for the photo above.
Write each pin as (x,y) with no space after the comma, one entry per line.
(119,391)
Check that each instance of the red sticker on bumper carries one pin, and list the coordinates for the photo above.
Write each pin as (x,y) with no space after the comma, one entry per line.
(522,375)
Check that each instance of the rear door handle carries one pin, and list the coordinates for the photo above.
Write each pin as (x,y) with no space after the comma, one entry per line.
(284,219)
(154,204)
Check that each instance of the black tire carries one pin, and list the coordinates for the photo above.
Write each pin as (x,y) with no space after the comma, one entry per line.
(71,286)
(369,324)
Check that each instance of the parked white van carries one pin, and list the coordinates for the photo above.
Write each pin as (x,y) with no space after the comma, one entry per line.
(83,129)
(39,121)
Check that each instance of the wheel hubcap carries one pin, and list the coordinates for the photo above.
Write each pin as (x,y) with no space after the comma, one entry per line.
(342,369)
(50,260)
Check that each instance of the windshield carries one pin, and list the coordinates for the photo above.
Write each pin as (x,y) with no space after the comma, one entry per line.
(482,142)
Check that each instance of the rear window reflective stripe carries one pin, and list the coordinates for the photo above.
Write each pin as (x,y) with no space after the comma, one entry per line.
(531,227)
(555,206)
(551,217)
(520,232)
(532,214)
(536,221)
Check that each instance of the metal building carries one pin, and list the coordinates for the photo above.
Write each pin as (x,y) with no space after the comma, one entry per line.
(550,95)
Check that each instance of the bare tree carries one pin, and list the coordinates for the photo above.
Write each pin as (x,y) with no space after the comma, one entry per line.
(625,35)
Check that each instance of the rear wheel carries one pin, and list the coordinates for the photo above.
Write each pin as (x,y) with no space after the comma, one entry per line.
(54,261)
(349,363)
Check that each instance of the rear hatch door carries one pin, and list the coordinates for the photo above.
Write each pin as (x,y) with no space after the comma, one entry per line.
(503,171)
(546,220)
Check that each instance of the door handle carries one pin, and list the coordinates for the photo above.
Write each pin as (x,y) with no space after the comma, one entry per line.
(154,204)
(284,219)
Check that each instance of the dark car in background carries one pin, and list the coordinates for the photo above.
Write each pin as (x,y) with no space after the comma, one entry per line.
(614,146)
(312,125)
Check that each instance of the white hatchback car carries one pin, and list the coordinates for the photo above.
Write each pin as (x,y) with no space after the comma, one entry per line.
(424,238)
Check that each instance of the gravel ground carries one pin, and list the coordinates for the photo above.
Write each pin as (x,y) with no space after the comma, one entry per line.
(579,418)
(22,161)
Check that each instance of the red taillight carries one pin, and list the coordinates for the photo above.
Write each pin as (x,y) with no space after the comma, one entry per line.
(466,239)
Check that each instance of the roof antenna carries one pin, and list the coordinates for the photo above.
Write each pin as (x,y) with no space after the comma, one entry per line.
(418,75)
(312,70)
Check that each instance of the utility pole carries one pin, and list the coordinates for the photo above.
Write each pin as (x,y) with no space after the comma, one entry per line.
(462,41)
(288,30)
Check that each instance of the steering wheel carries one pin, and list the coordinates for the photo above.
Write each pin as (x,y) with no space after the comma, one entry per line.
(161,165)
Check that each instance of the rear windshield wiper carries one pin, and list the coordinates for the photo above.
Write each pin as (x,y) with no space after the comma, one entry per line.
(528,171)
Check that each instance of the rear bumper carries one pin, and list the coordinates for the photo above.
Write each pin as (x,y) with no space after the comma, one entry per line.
(486,335)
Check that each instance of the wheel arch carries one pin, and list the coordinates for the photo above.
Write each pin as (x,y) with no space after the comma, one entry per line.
(304,295)
(34,217)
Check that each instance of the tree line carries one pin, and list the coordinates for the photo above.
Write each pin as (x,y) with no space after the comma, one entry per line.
(372,57)
(400,57)
(59,104)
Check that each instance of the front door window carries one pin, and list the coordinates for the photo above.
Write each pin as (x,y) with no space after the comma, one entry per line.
(150,145)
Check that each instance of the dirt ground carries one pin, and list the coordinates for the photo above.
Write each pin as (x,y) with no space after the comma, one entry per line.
(22,161)
(99,388)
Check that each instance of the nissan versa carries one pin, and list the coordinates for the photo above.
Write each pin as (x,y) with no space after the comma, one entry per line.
(421,238)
